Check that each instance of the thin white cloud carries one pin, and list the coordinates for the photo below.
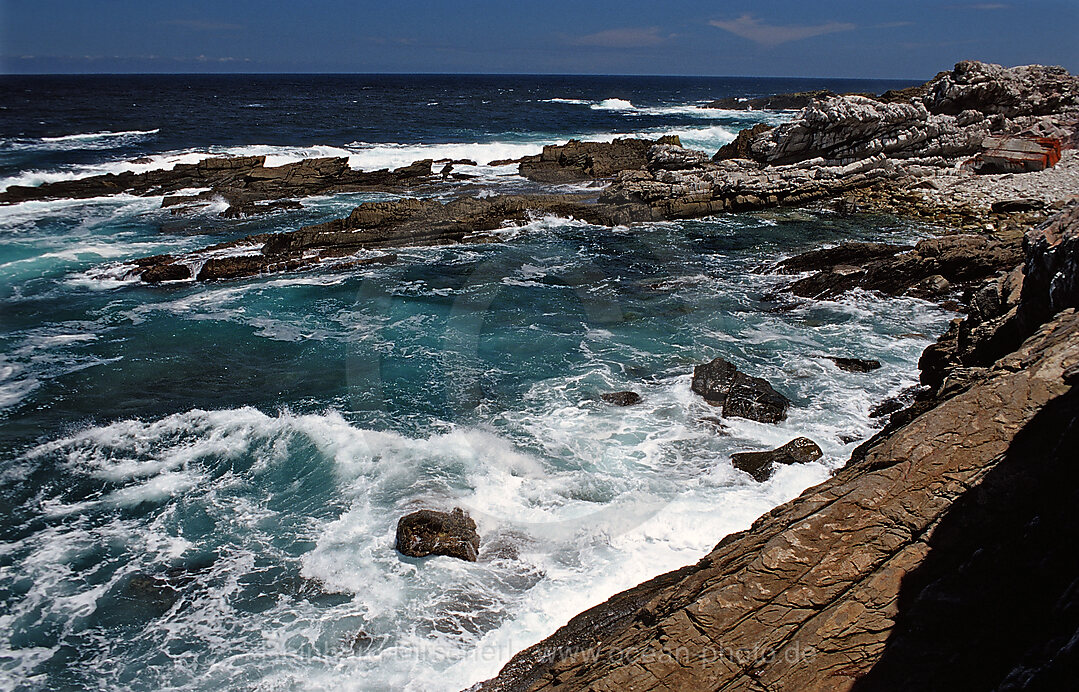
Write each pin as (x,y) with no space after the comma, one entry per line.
(749,27)
(983,6)
(622,38)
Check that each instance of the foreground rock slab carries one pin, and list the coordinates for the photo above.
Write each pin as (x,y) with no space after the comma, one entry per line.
(430,532)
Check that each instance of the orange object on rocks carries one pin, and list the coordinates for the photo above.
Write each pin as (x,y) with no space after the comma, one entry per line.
(1019,154)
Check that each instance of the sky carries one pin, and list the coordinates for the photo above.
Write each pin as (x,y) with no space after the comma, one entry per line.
(798,38)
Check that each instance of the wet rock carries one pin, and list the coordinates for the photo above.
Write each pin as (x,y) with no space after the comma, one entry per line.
(845,254)
(855,364)
(800,450)
(245,208)
(430,532)
(170,271)
(376,225)
(930,270)
(721,384)
(621,398)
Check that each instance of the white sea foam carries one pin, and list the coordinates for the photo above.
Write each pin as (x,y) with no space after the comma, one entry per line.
(613,105)
(89,136)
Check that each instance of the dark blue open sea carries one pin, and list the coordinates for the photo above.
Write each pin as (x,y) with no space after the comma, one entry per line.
(199,484)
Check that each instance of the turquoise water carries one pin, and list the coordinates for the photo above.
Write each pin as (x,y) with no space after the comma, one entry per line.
(200,483)
(253,443)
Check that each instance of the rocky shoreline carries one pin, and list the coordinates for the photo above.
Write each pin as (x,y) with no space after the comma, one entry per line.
(910,568)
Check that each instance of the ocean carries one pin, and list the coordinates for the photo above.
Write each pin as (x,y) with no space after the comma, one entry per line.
(199,483)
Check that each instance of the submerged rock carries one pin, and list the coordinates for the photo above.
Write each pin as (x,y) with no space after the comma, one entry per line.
(430,532)
(722,384)
(800,450)
(621,398)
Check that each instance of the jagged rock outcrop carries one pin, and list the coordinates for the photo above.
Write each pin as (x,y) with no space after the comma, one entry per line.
(760,465)
(430,532)
(1007,308)
(1012,92)
(721,384)
(939,557)
(854,127)
(740,147)
(575,160)
(669,157)
(872,151)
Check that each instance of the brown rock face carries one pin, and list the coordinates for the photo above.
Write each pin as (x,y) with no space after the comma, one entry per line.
(429,532)
(800,450)
(741,395)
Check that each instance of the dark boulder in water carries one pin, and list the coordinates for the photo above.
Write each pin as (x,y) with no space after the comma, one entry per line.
(430,532)
(855,364)
(800,450)
(621,398)
(722,384)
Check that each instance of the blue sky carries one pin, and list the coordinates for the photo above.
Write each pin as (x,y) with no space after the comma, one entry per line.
(870,38)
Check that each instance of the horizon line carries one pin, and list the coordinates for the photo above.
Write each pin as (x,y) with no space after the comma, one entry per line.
(444,74)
